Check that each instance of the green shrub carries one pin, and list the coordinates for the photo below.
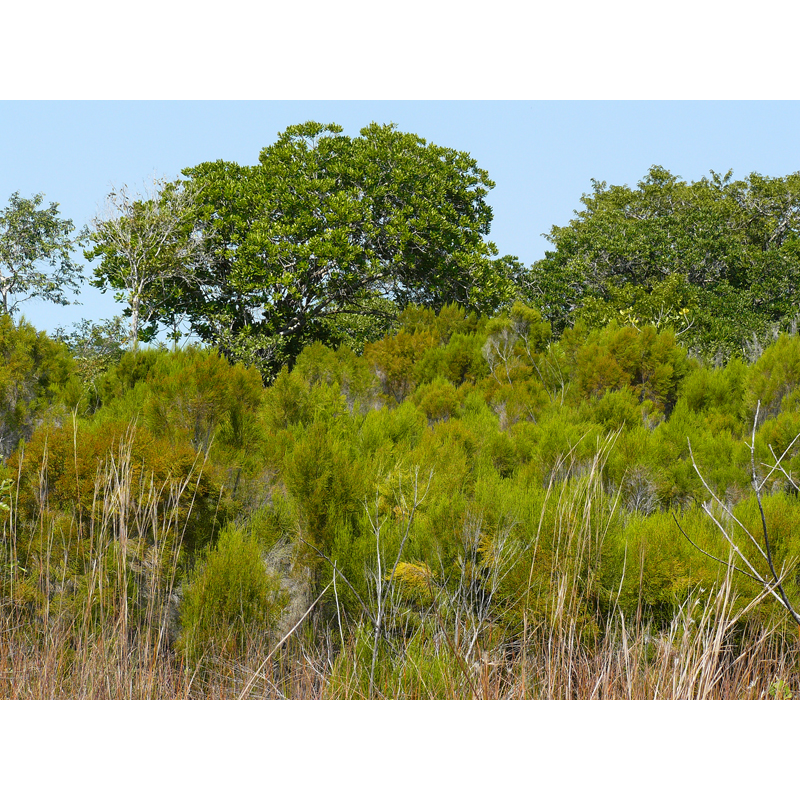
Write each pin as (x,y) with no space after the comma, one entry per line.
(618,408)
(393,359)
(646,568)
(327,481)
(718,394)
(459,361)
(438,400)
(196,396)
(291,400)
(652,364)
(401,428)
(450,321)
(77,470)
(319,364)
(774,379)
(36,373)
(230,601)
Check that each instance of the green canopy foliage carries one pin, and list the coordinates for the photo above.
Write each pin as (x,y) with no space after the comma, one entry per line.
(29,238)
(717,260)
(328,236)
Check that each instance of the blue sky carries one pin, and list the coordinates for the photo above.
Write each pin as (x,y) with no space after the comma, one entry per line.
(541,154)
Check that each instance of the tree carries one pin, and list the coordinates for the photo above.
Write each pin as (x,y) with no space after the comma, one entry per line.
(95,346)
(30,235)
(718,260)
(145,245)
(327,230)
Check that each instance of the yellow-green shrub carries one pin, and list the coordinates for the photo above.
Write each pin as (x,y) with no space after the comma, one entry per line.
(230,600)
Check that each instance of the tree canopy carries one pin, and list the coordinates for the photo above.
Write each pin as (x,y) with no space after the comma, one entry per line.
(717,258)
(329,236)
(35,253)
(145,247)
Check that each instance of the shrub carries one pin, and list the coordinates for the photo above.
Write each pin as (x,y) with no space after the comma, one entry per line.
(618,408)
(437,400)
(459,361)
(318,364)
(327,482)
(197,397)
(36,372)
(451,320)
(230,600)
(72,470)
(652,364)
(775,379)
(718,395)
(291,400)
(393,359)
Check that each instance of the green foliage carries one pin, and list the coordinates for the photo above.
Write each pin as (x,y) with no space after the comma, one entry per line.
(128,376)
(649,363)
(397,430)
(450,320)
(341,367)
(293,401)
(190,398)
(617,408)
(30,235)
(393,359)
(648,569)
(368,224)
(780,690)
(5,493)
(95,347)
(438,400)
(671,303)
(197,396)
(460,361)
(715,258)
(516,343)
(774,379)
(230,601)
(718,396)
(37,372)
(74,469)
(327,481)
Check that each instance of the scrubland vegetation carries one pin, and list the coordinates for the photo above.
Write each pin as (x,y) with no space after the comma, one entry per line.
(468,508)
(395,464)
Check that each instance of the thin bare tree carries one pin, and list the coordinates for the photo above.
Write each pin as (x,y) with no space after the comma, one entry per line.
(146,246)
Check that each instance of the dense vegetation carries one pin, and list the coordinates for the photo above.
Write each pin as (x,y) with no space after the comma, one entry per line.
(465,493)
(419,470)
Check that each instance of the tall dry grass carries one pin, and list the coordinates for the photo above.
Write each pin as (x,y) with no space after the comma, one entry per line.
(113,639)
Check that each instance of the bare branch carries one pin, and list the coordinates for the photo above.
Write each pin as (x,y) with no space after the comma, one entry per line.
(775,585)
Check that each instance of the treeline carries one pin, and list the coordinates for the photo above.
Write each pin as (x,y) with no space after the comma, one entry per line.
(464,482)
(328,238)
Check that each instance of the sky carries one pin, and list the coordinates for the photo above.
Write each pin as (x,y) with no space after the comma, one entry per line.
(541,154)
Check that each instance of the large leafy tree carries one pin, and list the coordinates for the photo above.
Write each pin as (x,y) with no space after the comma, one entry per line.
(717,259)
(328,237)
(35,254)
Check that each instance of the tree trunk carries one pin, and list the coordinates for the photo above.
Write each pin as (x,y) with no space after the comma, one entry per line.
(135,321)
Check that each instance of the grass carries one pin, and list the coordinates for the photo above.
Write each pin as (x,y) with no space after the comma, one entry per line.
(694,659)
(113,637)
